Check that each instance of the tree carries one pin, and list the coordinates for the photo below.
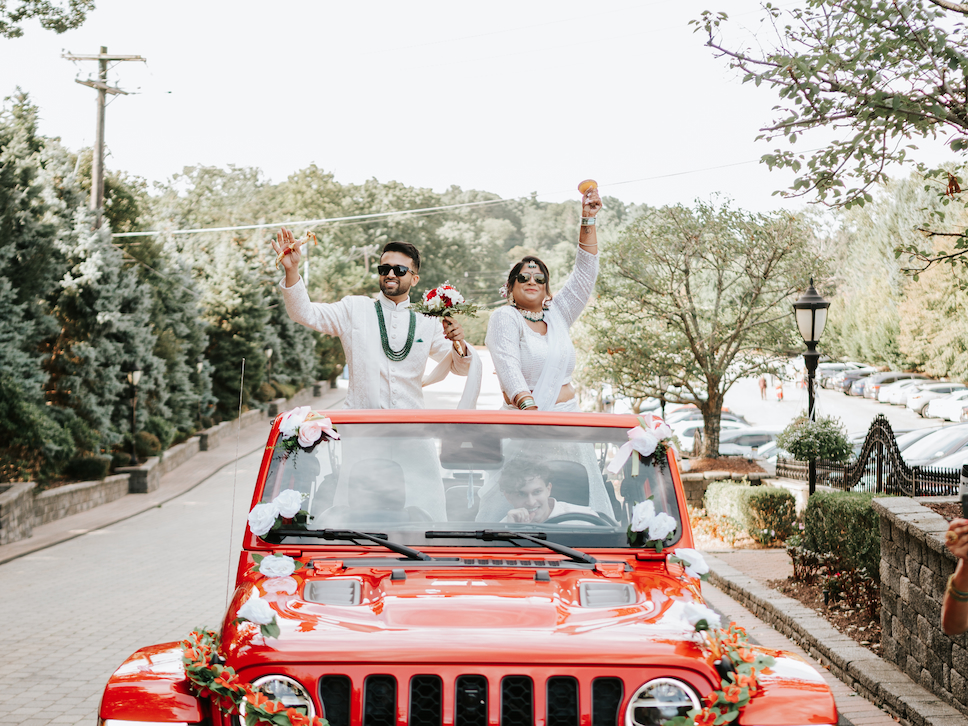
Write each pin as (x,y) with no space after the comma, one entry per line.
(51,17)
(693,299)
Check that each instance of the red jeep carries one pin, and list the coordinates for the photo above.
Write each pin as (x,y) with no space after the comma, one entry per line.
(471,568)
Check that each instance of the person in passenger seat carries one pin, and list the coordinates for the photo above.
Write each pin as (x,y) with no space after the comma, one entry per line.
(527,486)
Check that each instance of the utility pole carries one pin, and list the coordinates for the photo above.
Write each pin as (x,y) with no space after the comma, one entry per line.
(101,84)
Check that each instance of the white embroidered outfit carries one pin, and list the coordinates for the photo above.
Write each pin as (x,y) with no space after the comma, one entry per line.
(375,380)
(523,357)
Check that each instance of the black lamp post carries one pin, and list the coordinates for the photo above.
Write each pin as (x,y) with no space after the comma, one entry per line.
(198,369)
(811,314)
(133,378)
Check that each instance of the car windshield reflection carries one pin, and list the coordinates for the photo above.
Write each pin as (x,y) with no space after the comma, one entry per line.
(409,479)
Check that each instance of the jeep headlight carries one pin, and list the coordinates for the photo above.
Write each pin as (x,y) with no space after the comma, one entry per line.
(289,692)
(659,700)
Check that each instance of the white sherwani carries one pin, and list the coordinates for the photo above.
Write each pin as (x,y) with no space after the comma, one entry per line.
(375,380)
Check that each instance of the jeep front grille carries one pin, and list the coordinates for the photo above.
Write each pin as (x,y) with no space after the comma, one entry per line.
(606,701)
(470,702)
(335,693)
(517,701)
(562,701)
(426,701)
(380,701)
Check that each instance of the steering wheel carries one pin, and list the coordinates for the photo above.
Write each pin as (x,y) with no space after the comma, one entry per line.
(579,517)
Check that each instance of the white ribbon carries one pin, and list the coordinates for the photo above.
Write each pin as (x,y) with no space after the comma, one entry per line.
(644,438)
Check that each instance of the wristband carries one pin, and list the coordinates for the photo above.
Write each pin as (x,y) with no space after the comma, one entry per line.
(955,593)
(525,402)
(587,221)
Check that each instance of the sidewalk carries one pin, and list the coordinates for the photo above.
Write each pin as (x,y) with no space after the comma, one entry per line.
(739,576)
(173,484)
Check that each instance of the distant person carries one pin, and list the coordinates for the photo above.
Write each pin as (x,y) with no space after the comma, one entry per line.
(954,608)
(762,384)
(386,344)
(779,390)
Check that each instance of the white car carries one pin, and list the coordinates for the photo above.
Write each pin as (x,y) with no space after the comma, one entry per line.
(918,400)
(685,431)
(948,407)
(896,393)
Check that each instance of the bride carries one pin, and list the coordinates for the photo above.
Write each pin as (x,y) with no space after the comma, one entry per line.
(528,338)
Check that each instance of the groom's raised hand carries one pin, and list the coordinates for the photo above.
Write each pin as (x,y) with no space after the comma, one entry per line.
(287,251)
(454,333)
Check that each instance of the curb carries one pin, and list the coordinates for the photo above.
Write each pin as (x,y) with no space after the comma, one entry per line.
(875,679)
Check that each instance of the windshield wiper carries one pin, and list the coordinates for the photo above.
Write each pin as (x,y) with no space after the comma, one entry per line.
(351,535)
(503,535)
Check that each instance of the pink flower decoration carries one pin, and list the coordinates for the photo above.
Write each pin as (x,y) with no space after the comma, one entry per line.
(311,431)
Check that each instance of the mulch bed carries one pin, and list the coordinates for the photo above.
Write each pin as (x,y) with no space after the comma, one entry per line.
(737,464)
(948,510)
(850,622)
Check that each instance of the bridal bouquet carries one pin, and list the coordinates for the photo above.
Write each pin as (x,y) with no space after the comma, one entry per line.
(444,302)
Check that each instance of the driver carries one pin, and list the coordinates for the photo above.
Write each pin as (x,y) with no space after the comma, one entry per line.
(526,484)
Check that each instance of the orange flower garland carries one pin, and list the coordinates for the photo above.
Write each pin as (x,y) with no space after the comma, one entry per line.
(222,684)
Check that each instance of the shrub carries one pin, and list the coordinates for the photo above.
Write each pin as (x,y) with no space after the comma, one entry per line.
(88,468)
(283,390)
(725,499)
(771,513)
(163,430)
(845,525)
(824,438)
(265,392)
(147,444)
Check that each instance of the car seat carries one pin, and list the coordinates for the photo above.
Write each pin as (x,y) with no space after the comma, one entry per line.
(377,495)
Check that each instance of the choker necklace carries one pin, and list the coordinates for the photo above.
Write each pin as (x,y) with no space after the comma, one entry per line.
(390,353)
(533,317)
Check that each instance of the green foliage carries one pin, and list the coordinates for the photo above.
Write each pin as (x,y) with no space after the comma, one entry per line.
(844,524)
(51,17)
(824,438)
(32,444)
(162,430)
(725,499)
(771,513)
(147,444)
(88,468)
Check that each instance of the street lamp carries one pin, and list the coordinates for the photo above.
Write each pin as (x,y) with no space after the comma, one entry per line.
(811,314)
(198,368)
(133,378)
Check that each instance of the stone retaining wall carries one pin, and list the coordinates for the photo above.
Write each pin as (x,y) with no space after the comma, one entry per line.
(73,498)
(915,565)
(16,511)
(212,438)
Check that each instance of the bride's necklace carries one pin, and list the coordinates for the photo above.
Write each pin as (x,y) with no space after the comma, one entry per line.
(532,316)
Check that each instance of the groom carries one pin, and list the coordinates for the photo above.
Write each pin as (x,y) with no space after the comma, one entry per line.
(386,344)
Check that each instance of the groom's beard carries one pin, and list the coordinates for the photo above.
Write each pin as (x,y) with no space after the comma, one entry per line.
(401,288)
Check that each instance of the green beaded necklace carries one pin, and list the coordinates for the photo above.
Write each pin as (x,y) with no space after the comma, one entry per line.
(403,352)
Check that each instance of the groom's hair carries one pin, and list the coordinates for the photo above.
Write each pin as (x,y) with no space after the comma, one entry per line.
(404,248)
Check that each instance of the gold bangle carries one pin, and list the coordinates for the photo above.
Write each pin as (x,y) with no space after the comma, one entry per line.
(955,593)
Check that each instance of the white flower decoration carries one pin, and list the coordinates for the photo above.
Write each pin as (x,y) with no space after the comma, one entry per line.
(288,503)
(662,526)
(642,515)
(699,616)
(285,585)
(277,566)
(292,420)
(693,561)
(262,517)
(257,610)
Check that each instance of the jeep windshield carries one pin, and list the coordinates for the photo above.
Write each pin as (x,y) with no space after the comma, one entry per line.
(411,483)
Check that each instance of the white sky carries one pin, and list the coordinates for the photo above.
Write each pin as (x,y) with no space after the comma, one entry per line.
(508,97)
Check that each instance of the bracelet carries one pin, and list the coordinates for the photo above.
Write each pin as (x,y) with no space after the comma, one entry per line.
(588,244)
(955,593)
(528,401)
(587,221)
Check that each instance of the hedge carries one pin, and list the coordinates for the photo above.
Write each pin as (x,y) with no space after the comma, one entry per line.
(766,513)
(844,524)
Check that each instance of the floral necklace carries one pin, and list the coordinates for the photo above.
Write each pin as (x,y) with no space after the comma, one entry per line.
(395,355)
(532,316)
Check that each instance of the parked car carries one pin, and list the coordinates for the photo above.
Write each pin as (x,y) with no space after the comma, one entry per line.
(685,431)
(947,407)
(406,595)
(742,442)
(826,372)
(896,393)
(857,386)
(876,380)
(694,414)
(843,381)
(937,445)
(918,400)
(952,461)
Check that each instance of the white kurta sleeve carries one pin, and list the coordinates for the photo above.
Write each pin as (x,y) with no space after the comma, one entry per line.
(440,348)
(328,318)
(503,340)
(574,294)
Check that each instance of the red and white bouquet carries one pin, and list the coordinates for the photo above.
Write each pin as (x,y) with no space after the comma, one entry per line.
(445,301)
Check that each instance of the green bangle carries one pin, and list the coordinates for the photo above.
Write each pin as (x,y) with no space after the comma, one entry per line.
(955,593)
(525,402)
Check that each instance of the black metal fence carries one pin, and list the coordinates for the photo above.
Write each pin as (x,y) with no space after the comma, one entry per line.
(878,468)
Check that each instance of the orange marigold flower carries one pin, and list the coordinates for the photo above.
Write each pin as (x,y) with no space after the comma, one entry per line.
(264,703)
(732,693)
(297,718)
(706,717)
(711,698)
(746,654)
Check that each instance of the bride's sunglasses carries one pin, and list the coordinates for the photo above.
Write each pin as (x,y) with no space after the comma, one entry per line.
(398,270)
(539,277)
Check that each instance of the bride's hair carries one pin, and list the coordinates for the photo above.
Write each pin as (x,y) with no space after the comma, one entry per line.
(517,269)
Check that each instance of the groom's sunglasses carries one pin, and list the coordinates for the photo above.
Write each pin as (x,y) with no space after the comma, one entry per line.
(539,277)
(398,270)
